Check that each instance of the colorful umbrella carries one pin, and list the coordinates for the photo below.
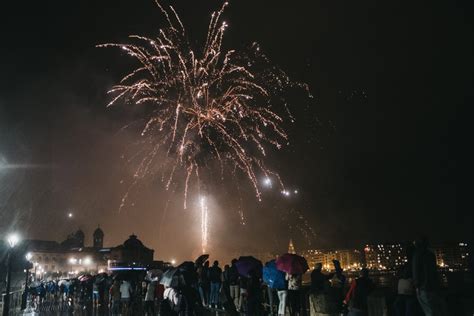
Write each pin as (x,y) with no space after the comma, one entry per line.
(85,277)
(273,277)
(292,264)
(246,264)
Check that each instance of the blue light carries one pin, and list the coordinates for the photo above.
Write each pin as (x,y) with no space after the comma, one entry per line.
(127,269)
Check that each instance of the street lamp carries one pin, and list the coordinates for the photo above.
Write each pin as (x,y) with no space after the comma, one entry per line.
(12,240)
(24,299)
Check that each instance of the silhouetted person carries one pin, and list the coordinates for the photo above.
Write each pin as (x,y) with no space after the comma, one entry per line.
(406,303)
(204,284)
(215,276)
(425,279)
(294,293)
(319,281)
(357,295)
(254,295)
(233,278)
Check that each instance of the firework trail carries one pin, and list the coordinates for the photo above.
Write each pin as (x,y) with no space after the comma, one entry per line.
(202,106)
(204,225)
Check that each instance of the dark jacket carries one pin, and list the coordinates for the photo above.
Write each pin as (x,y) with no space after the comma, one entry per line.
(319,281)
(215,274)
(425,275)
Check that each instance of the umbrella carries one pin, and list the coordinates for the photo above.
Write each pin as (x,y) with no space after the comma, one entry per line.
(201,259)
(63,281)
(170,278)
(188,271)
(246,264)
(85,277)
(154,275)
(274,278)
(292,264)
(186,266)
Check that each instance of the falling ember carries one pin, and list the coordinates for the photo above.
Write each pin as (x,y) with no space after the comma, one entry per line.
(203,107)
(204,224)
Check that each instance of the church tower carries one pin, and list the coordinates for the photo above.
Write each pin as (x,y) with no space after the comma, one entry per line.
(291,247)
(98,238)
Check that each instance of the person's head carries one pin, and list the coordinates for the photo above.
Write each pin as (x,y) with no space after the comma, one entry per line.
(364,273)
(318,267)
(233,262)
(216,263)
(206,264)
(226,267)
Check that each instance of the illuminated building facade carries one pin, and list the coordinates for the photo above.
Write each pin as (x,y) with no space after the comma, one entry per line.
(385,256)
(452,256)
(350,259)
(70,258)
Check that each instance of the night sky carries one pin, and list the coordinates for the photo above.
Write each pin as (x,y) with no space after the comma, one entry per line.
(373,155)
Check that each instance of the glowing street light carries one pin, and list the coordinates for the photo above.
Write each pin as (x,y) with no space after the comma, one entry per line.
(72,260)
(24,297)
(69,215)
(12,240)
(173,261)
(87,261)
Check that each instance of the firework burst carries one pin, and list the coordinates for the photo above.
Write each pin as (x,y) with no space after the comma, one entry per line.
(203,106)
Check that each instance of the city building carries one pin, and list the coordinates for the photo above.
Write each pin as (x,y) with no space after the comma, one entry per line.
(350,259)
(452,255)
(67,258)
(385,256)
(132,253)
(71,258)
(314,256)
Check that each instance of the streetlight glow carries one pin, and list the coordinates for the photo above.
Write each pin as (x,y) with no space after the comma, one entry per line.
(13,240)
(28,256)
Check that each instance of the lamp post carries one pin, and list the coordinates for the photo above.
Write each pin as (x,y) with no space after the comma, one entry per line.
(12,240)
(24,299)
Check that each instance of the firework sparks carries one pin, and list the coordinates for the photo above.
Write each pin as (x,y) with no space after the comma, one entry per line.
(203,107)
(204,225)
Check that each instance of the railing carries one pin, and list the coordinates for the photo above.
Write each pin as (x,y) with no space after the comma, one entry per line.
(15,302)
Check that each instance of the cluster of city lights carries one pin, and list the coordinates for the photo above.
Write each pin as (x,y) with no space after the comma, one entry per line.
(86,261)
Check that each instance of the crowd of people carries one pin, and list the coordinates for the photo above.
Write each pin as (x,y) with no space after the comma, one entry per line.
(194,287)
